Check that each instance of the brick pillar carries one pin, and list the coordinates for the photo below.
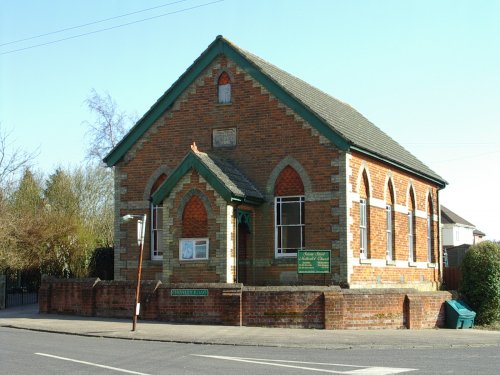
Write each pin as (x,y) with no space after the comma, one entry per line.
(232,313)
(415,311)
(334,310)
(45,295)
(3,291)
(88,296)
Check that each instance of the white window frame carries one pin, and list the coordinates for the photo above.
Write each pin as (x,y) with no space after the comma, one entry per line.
(192,243)
(411,234)
(363,229)
(224,93)
(429,238)
(389,253)
(156,235)
(278,228)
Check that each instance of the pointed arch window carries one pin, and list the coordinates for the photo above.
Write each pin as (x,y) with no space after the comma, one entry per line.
(224,88)
(411,228)
(194,242)
(389,222)
(430,232)
(289,204)
(364,218)
(156,226)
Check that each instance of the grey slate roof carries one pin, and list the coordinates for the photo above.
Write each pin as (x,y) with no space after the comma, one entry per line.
(341,117)
(477,232)
(449,217)
(227,173)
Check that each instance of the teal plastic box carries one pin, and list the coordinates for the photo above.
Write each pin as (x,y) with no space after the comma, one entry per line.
(459,315)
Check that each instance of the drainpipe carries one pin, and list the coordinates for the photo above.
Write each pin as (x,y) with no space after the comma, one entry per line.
(440,240)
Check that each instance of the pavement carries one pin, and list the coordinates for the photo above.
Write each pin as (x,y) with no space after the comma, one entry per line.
(27,317)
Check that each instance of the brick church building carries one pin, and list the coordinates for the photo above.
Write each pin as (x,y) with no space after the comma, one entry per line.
(240,164)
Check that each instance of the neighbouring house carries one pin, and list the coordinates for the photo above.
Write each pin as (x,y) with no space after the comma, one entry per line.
(240,165)
(455,229)
(458,235)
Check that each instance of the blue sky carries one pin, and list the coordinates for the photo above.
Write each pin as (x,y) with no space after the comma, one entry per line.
(425,72)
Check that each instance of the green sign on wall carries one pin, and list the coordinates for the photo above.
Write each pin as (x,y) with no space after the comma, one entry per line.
(313,261)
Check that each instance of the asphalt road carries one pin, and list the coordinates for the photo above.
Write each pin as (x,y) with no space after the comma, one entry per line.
(30,352)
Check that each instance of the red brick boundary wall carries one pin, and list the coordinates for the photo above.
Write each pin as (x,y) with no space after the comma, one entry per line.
(233,304)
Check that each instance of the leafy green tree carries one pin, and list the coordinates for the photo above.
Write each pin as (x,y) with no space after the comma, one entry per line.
(481,280)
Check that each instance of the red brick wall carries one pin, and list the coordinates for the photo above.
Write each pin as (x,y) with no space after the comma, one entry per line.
(266,133)
(283,307)
(288,183)
(194,219)
(232,304)
(375,175)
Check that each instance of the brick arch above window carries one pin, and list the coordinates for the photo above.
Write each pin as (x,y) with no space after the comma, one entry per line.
(390,189)
(288,183)
(390,196)
(224,78)
(411,198)
(194,219)
(187,197)
(288,161)
(363,186)
(429,203)
(152,183)
(224,88)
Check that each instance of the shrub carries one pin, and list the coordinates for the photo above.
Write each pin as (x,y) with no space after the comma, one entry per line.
(481,281)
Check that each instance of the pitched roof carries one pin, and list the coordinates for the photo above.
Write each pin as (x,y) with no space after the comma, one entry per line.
(337,121)
(449,217)
(222,175)
(478,233)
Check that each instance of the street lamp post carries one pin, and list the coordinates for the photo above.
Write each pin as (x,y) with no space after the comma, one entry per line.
(141,229)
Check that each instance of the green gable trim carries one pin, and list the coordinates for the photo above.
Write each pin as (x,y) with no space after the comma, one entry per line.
(441,183)
(219,46)
(286,98)
(162,105)
(191,161)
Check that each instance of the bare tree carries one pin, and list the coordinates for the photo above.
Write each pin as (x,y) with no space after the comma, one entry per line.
(109,126)
(13,160)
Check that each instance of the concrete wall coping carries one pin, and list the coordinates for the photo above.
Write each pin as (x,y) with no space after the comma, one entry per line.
(305,288)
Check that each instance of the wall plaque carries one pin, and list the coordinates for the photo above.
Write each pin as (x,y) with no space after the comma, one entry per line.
(224,138)
(189,292)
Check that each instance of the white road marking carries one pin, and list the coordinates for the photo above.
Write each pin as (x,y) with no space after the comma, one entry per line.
(91,364)
(361,370)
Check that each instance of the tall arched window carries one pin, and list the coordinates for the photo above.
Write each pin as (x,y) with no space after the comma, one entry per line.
(157,222)
(224,88)
(389,222)
(290,213)
(194,242)
(411,227)
(364,217)
(430,231)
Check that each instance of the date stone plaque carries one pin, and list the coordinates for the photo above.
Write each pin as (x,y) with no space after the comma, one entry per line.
(224,138)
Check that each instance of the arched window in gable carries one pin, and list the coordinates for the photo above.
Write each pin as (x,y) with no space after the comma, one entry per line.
(364,216)
(411,226)
(290,213)
(389,221)
(194,242)
(430,231)
(224,88)
(156,227)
